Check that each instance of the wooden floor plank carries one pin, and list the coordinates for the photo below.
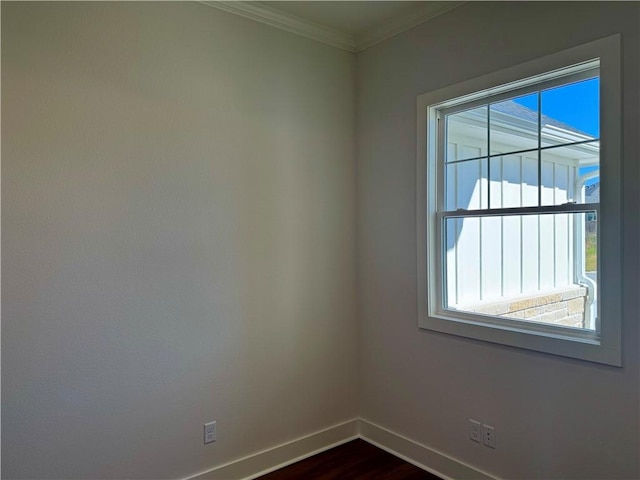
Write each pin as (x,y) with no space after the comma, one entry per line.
(355,460)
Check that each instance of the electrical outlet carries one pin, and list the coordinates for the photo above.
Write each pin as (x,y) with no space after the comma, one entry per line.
(209,432)
(489,436)
(475,430)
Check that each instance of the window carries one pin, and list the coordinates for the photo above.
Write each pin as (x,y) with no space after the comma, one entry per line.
(519,205)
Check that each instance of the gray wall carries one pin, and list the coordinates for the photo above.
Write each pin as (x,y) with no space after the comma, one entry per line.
(554,417)
(178,233)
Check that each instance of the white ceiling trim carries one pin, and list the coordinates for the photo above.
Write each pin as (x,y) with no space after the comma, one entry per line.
(285,21)
(321,33)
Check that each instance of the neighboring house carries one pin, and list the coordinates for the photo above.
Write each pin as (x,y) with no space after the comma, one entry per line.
(592,193)
(527,267)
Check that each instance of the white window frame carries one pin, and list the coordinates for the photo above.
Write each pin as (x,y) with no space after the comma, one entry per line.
(602,345)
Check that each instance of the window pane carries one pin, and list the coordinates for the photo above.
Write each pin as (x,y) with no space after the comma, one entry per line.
(514,124)
(536,268)
(571,113)
(514,181)
(466,185)
(466,134)
(569,174)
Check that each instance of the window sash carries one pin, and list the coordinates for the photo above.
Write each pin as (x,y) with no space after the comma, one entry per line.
(580,334)
(558,331)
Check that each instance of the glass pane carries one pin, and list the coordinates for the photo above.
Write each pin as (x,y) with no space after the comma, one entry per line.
(466,185)
(569,174)
(571,113)
(514,124)
(514,181)
(466,134)
(535,268)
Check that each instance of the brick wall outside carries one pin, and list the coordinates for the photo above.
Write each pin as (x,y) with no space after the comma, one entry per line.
(561,307)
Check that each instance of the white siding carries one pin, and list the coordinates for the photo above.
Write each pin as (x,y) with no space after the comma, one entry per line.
(494,257)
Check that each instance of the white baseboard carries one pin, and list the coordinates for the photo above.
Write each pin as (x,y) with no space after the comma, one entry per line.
(266,461)
(419,455)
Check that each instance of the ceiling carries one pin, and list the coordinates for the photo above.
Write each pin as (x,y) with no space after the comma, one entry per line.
(350,17)
(351,25)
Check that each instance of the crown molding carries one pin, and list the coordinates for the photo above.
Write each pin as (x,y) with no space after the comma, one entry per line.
(254,10)
(285,21)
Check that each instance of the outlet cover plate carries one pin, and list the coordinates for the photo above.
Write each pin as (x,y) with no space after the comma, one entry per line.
(489,436)
(475,430)
(209,432)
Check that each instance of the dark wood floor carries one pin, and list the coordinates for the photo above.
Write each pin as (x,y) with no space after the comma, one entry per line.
(356,460)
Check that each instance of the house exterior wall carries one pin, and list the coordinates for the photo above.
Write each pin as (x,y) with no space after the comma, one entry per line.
(494,257)
(564,306)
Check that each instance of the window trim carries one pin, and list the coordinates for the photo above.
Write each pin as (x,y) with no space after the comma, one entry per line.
(603,346)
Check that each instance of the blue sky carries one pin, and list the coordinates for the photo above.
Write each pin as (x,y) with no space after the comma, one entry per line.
(577,104)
